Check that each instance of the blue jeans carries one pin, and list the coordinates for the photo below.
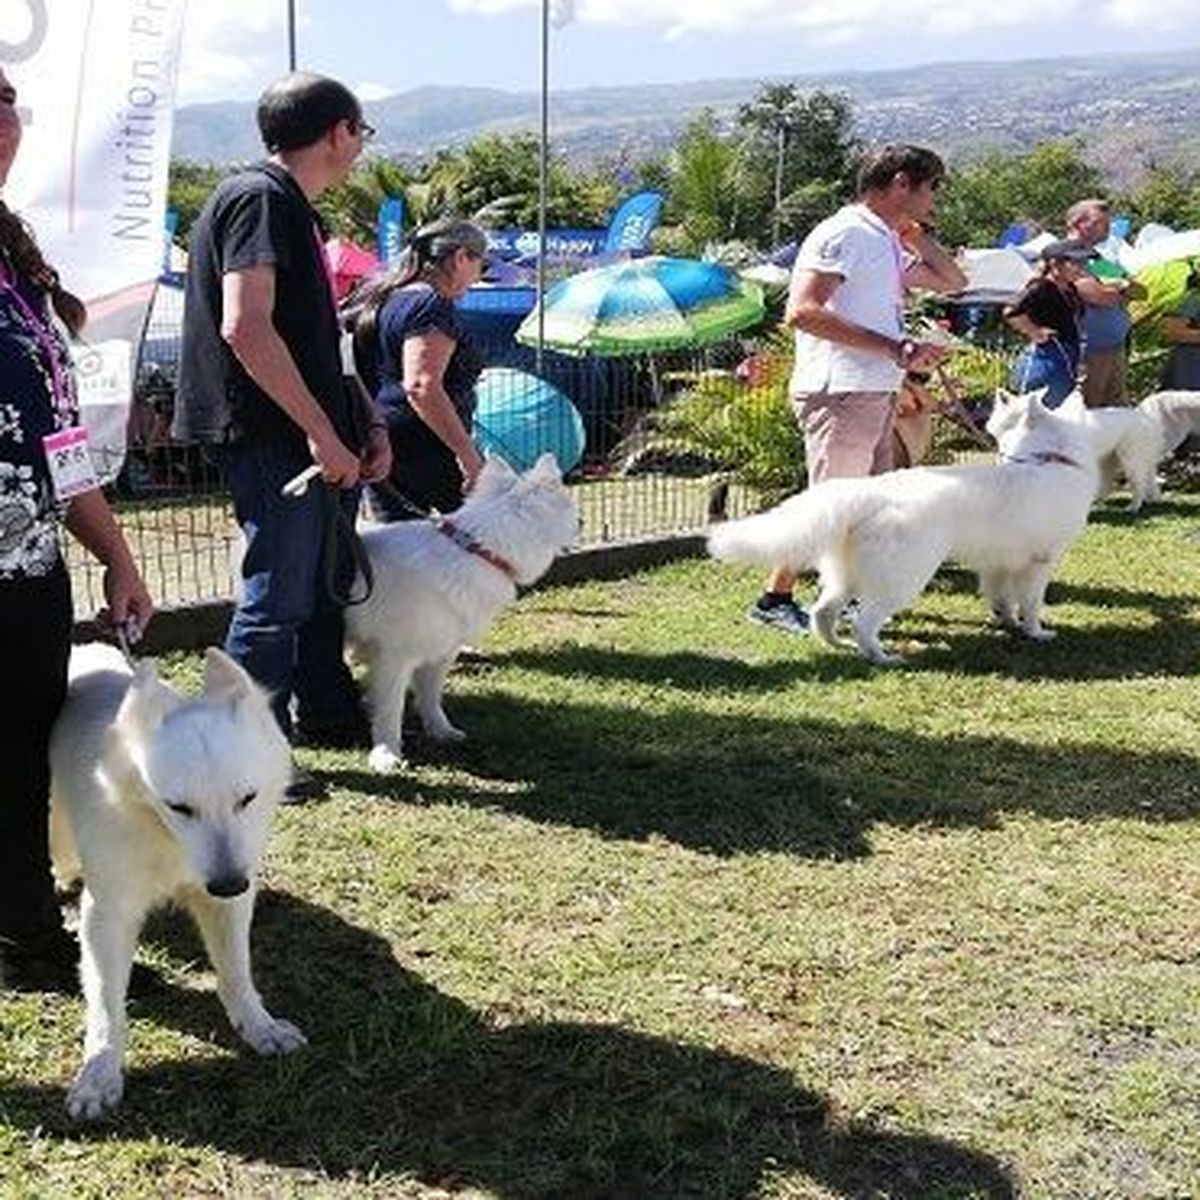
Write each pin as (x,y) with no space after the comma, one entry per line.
(1047,366)
(287,630)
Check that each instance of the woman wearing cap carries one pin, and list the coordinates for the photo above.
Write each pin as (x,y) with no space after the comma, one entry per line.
(419,362)
(1049,313)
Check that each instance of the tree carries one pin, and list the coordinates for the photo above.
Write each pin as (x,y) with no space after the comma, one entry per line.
(1169,194)
(982,198)
(702,178)
(188,186)
(812,152)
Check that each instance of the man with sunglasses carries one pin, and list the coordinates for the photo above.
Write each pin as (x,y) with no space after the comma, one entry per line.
(261,376)
(846,304)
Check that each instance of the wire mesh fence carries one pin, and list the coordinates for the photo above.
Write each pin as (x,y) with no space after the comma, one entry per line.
(651,434)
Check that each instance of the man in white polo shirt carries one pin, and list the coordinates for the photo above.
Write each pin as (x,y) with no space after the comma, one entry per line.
(846,303)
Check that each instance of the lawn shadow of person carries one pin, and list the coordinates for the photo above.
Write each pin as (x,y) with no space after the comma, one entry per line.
(401,1079)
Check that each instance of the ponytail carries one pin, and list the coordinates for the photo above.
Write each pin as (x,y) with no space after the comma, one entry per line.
(17,244)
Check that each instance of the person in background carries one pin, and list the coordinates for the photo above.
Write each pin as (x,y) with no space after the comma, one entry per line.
(1105,318)
(261,375)
(38,399)
(846,304)
(416,358)
(1180,329)
(1049,313)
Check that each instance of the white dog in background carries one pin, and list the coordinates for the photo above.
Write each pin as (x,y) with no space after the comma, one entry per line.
(157,797)
(440,583)
(1177,415)
(880,539)
(1127,442)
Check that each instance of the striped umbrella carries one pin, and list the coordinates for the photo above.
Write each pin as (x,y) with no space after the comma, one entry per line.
(645,304)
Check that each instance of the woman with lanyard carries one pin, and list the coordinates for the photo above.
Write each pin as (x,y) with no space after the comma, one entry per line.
(420,364)
(1049,313)
(45,480)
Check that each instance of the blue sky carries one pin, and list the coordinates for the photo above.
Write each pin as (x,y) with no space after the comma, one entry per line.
(233,48)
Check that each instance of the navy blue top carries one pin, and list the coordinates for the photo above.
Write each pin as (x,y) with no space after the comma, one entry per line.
(29,513)
(409,312)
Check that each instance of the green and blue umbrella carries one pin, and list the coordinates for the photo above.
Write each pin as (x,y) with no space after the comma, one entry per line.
(645,305)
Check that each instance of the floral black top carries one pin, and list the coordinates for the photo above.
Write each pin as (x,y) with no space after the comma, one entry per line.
(37,397)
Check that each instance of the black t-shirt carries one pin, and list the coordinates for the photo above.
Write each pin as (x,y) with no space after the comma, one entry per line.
(254,218)
(1044,303)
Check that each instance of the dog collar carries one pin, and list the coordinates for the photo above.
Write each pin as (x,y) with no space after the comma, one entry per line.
(462,539)
(1046,456)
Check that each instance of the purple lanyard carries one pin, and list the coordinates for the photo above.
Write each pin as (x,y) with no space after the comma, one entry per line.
(48,344)
(326,269)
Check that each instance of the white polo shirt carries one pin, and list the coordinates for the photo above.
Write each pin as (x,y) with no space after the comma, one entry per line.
(865,251)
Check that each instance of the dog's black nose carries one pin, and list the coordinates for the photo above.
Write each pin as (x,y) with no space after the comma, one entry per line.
(227,886)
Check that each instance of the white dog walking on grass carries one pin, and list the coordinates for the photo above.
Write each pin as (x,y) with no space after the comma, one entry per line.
(879,540)
(155,798)
(440,583)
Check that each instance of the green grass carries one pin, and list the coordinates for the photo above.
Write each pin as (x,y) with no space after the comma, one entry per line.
(704,911)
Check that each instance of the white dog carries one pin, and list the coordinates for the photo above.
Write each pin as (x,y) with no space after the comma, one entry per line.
(440,583)
(1177,415)
(157,797)
(1126,441)
(880,539)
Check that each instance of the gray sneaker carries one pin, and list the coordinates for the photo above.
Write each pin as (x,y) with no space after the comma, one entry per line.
(788,616)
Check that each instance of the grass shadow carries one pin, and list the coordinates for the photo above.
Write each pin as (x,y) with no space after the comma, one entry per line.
(404,1080)
(733,784)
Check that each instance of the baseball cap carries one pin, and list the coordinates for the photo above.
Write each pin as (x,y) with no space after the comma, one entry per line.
(1070,248)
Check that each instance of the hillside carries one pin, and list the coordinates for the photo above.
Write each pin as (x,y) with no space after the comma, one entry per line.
(1128,109)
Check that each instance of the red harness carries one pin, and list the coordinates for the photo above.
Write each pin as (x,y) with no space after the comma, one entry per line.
(466,542)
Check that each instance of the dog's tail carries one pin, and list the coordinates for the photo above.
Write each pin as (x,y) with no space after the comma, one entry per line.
(798,533)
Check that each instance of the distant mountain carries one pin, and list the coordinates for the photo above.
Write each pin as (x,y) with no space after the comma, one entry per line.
(1128,109)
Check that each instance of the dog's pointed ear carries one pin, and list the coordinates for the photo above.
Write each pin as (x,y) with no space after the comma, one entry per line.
(545,470)
(148,700)
(223,678)
(496,477)
(1073,404)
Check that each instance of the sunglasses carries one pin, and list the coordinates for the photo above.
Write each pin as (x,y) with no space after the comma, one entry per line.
(359,126)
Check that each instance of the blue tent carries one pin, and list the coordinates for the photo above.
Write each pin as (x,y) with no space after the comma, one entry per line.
(520,417)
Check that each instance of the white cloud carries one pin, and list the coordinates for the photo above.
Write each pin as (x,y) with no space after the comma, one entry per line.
(368,91)
(231,47)
(847,20)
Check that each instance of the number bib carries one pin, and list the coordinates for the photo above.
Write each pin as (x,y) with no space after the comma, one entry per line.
(70,462)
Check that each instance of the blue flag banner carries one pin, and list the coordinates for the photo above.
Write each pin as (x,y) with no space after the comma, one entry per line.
(633,223)
(390,230)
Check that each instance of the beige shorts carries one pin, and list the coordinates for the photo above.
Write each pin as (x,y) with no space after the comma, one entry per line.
(1104,378)
(846,434)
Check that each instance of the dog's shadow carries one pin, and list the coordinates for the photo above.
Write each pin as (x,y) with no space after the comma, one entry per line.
(402,1079)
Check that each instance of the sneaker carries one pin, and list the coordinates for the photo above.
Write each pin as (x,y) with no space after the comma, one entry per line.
(304,788)
(787,616)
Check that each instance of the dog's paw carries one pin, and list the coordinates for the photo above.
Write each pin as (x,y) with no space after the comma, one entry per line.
(97,1088)
(271,1035)
(1039,633)
(383,760)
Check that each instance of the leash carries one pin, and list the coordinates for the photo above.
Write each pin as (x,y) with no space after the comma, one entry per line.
(335,527)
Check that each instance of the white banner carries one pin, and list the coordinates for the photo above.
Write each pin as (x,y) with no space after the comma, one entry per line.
(95,84)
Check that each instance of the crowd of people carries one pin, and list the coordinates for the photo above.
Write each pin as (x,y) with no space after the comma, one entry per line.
(263,379)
